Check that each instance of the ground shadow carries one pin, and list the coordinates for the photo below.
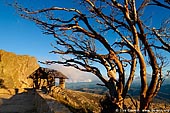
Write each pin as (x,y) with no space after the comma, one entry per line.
(19,103)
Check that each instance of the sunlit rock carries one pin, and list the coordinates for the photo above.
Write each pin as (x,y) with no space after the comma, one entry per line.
(15,69)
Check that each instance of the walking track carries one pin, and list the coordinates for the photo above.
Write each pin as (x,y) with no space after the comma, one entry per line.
(19,103)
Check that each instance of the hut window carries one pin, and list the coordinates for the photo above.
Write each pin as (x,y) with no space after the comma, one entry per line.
(56,81)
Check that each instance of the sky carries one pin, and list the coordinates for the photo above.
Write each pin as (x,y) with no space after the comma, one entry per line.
(21,36)
(25,38)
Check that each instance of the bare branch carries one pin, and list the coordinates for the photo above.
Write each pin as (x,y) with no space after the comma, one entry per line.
(157,3)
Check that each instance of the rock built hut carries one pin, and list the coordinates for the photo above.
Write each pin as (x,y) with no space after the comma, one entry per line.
(45,77)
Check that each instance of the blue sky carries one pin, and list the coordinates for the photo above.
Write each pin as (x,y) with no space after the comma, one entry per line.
(24,37)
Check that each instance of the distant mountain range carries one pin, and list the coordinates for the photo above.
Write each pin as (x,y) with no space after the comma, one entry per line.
(164,93)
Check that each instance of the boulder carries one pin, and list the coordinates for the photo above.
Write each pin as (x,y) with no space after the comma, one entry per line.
(15,69)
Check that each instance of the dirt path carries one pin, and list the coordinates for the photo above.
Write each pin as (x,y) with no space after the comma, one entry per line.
(19,103)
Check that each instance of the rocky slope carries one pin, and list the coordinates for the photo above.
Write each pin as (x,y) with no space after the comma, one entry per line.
(14,70)
(77,101)
(83,102)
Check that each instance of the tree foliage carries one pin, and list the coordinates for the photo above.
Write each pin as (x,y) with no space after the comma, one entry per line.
(115,34)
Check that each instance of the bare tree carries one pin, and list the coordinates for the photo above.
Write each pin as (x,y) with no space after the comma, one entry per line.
(110,34)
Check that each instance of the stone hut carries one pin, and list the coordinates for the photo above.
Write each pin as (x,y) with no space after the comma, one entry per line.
(45,77)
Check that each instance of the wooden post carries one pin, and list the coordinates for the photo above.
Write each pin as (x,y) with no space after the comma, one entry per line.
(62,83)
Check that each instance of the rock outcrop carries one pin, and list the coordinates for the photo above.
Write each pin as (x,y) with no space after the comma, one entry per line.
(77,101)
(15,69)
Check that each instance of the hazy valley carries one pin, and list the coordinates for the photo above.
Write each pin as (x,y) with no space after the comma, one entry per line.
(92,87)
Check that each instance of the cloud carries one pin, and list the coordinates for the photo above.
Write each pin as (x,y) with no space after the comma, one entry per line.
(73,74)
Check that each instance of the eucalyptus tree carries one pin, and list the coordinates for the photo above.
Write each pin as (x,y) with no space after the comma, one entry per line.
(107,35)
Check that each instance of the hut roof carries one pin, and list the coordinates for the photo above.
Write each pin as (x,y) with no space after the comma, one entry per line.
(55,73)
(49,72)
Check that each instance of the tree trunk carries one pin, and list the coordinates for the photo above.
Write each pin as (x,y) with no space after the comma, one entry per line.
(117,100)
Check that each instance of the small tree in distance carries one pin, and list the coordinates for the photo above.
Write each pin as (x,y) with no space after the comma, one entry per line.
(110,34)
